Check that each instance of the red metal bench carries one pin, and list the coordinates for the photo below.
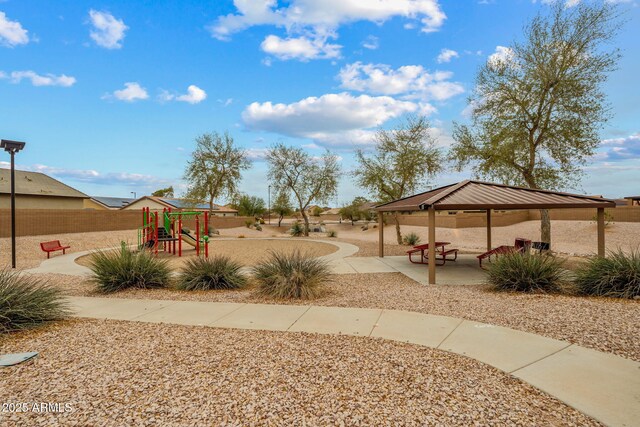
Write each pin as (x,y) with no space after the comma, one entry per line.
(521,245)
(53,246)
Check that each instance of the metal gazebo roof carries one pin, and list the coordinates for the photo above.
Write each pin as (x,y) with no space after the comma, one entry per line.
(480,195)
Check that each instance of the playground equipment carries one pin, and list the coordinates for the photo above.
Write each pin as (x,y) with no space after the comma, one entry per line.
(167,231)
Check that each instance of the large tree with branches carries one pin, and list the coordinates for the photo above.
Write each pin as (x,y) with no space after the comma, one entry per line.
(215,169)
(309,179)
(538,106)
(404,158)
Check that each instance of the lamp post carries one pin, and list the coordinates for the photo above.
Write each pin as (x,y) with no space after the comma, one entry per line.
(269,203)
(12,147)
(134,194)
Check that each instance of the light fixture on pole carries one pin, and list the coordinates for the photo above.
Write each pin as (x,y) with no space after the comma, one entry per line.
(269,203)
(134,194)
(12,147)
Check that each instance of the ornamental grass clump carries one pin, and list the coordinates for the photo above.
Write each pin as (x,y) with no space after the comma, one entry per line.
(291,275)
(297,229)
(26,302)
(117,270)
(529,273)
(617,275)
(332,233)
(218,272)
(411,239)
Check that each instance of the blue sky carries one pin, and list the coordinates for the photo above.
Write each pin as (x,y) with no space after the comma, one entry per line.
(109,95)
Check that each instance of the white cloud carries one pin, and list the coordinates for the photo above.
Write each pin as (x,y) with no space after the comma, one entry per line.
(501,57)
(92,176)
(132,92)
(40,80)
(446,55)
(108,32)
(618,149)
(302,48)
(256,154)
(371,43)
(194,95)
(329,120)
(11,32)
(314,19)
(411,81)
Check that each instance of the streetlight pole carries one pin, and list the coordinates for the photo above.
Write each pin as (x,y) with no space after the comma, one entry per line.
(12,147)
(269,203)
(134,194)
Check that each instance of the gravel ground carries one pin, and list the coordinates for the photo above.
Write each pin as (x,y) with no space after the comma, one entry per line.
(245,252)
(128,373)
(603,324)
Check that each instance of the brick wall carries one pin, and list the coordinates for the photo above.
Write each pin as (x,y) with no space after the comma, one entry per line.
(33,222)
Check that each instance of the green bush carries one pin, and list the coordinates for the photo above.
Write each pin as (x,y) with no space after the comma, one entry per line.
(617,275)
(248,223)
(517,272)
(411,239)
(257,226)
(117,270)
(332,233)
(291,275)
(219,272)
(297,229)
(26,302)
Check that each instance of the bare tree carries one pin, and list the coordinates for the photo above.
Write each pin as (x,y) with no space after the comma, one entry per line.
(309,179)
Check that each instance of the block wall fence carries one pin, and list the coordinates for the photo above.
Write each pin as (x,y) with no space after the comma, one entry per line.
(34,222)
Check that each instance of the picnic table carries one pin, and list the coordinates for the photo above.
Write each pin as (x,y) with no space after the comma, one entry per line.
(441,253)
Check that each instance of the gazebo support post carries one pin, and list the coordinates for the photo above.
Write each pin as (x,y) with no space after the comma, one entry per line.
(432,245)
(601,232)
(380,235)
(488,230)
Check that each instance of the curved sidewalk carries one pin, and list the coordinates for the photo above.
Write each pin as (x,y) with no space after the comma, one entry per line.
(601,385)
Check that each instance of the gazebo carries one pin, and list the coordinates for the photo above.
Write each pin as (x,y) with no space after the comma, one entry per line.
(486,196)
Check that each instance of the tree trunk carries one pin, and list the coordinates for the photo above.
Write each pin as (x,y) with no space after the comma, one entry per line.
(306,222)
(280,220)
(545,226)
(398,234)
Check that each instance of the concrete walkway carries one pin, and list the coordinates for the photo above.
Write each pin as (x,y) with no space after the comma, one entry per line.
(464,271)
(601,385)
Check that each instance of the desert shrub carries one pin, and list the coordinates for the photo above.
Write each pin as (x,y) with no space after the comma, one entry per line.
(291,275)
(27,302)
(517,272)
(617,275)
(411,239)
(248,223)
(332,233)
(241,236)
(257,226)
(297,229)
(261,221)
(117,270)
(219,272)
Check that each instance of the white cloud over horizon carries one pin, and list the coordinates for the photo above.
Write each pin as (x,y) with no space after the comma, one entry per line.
(308,22)
(446,55)
(132,92)
(11,32)
(108,31)
(39,79)
(194,95)
(620,149)
(408,81)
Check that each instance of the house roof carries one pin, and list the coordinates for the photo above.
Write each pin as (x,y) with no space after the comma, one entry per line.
(36,184)
(632,197)
(486,195)
(185,204)
(113,202)
(332,211)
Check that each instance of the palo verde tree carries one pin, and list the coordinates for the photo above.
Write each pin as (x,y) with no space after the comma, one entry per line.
(538,107)
(249,206)
(404,158)
(215,168)
(282,206)
(309,179)
(164,192)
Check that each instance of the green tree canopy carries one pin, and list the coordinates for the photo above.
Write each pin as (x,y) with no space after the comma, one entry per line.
(215,168)
(282,206)
(403,160)
(249,206)
(538,107)
(309,179)
(164,192)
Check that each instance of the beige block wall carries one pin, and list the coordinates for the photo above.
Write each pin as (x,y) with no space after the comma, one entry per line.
(90,204)
(41,202)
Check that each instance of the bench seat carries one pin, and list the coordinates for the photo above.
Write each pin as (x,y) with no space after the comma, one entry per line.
(52,246)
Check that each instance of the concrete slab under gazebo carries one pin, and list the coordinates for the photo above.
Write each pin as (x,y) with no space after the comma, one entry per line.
(486,196)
